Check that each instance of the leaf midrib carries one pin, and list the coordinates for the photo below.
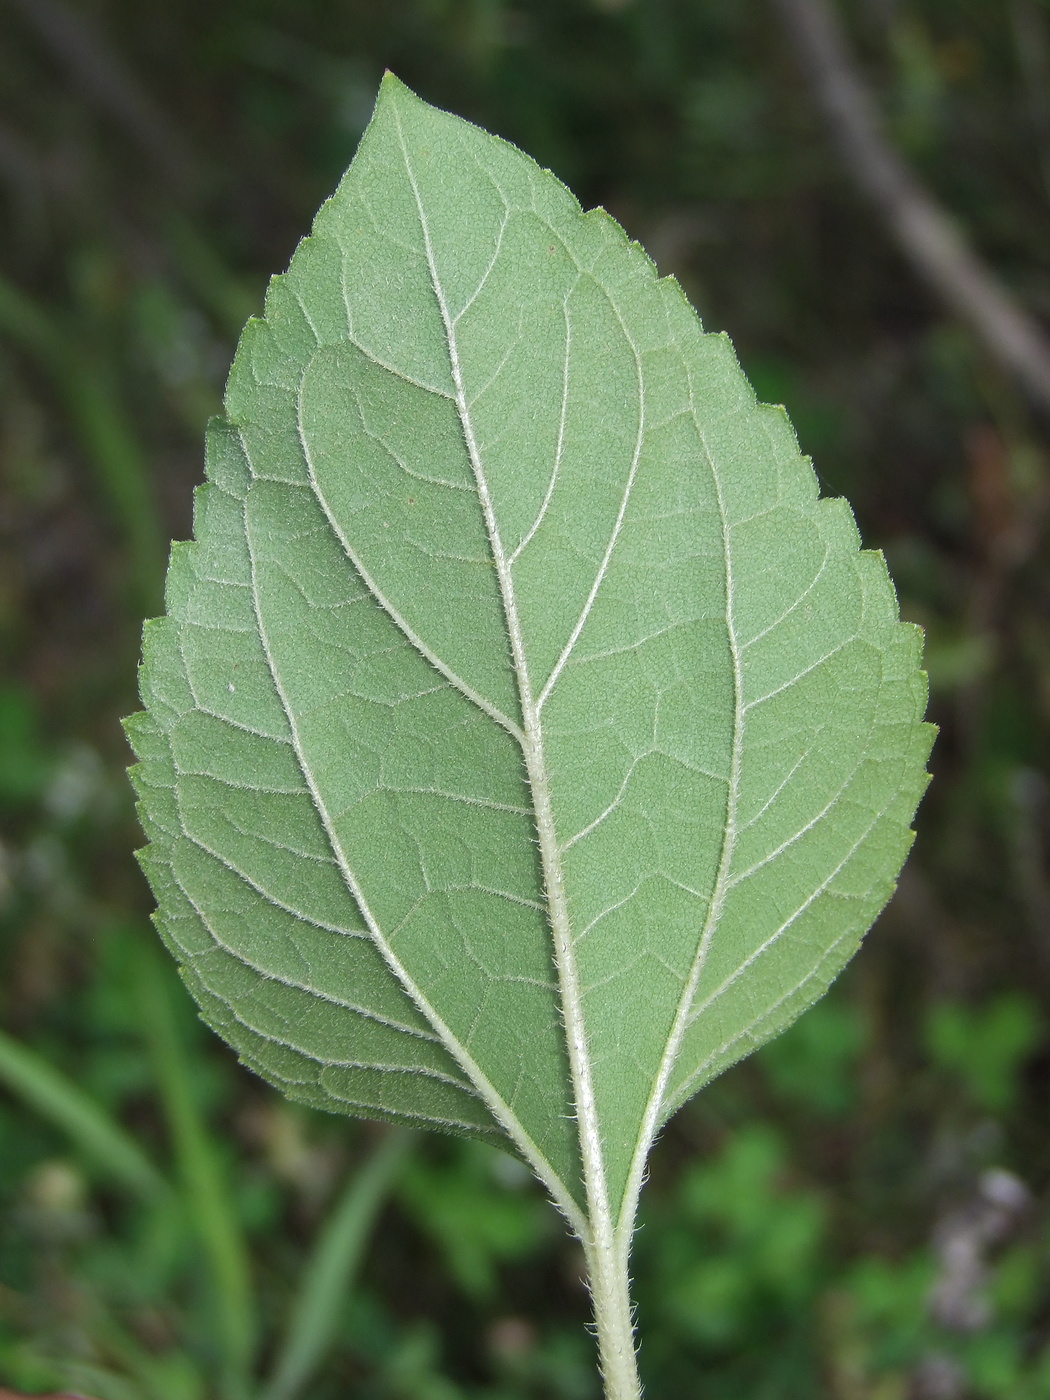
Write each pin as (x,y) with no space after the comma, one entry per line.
(532,750)
(601,1234)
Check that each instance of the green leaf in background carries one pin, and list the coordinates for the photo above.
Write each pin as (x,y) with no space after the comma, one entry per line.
(525,741)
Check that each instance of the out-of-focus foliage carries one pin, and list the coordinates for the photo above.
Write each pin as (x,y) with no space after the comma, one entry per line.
(860,1212)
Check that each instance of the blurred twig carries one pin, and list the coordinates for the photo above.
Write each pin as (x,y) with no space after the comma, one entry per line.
(1033,56)
(925,233)
(104,78)
(20,165)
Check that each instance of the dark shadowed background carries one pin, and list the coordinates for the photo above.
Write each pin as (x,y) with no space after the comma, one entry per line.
(862,1211)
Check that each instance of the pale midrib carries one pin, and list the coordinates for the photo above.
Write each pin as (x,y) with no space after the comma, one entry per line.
(597,1230)
(486,1090)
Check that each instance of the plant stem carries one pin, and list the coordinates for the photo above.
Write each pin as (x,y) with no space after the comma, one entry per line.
(611,1300)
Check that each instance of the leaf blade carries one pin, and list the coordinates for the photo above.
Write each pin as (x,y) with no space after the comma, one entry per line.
(561,676)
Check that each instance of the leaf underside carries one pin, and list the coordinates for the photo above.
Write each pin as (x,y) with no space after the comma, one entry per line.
(484,482)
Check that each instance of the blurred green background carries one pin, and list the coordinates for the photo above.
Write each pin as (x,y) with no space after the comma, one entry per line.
(861,1211)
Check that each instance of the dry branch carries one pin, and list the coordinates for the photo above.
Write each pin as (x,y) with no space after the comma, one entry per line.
(925,233)
(104,78)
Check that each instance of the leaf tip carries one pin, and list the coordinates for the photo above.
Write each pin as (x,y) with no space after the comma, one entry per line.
(392,89)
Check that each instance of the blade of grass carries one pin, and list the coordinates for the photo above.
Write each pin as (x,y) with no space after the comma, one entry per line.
(103,429)
(208,1198)
(54,1097)
(330,1270)
(33,329)
(224,294)
(93,1380)
(110,441)
(164,1375)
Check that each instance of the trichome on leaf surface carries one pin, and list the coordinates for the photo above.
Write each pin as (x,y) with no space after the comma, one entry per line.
(525,741)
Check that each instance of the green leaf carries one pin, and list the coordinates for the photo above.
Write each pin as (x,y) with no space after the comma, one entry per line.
(525,741)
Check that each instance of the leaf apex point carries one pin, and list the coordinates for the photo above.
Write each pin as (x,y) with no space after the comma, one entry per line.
(391,87)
